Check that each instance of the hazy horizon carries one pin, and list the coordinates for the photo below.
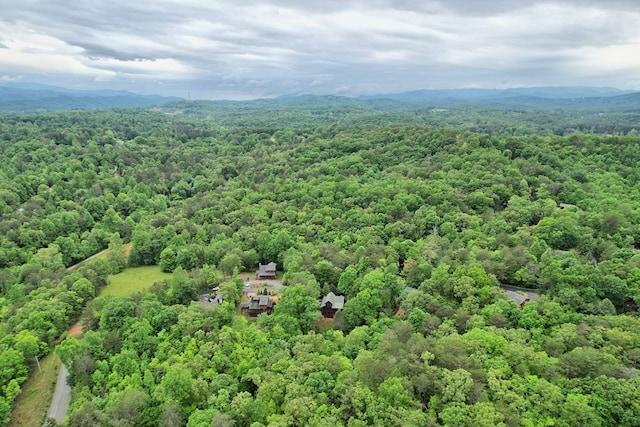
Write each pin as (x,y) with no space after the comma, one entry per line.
(263,49)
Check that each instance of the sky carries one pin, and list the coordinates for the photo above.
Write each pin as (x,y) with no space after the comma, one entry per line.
(244,49)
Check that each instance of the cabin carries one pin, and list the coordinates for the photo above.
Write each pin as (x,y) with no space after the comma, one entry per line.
(330,304)
(256,305)
(400,312)
(267,271)
(519,299)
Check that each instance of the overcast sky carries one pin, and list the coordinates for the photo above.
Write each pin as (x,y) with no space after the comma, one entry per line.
(249,48)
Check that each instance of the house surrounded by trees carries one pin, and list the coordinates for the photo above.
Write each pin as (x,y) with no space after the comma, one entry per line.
(330,304)
(521,300)
(256,305)
(267,271)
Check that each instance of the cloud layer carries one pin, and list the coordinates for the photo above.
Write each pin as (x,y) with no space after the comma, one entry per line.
(257,48)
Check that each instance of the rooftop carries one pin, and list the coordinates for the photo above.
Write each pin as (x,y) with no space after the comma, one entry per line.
(516,297)
(337,301)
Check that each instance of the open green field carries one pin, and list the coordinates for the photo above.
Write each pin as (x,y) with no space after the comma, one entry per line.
(33,403)
(134,279)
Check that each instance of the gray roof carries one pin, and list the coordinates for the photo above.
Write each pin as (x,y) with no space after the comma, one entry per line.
(258,301)
(267,269)
(337,301)
(516,297)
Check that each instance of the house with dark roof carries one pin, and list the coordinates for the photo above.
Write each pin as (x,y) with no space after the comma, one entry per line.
(519,299)
(330,304)
(266,271)
(257,304)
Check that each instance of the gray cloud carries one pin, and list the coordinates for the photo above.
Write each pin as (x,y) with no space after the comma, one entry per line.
(266,48)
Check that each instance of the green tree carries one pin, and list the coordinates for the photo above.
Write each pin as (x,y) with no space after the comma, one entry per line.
(30,346)
(456,386)
(229,263)
(86,415)
(176,385)
(84,289)
(299,307)
(126,408)
(168,260)
(116,311)
(362,309)
(229,292)
(116,254)
(12,366)
(183,289)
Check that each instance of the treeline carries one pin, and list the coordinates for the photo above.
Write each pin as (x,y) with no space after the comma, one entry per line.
(361,210)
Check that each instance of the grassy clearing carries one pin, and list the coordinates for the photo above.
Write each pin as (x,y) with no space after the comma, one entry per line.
(33,403)
(134,279)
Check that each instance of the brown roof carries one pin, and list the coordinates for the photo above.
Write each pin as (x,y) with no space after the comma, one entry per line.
(400,312)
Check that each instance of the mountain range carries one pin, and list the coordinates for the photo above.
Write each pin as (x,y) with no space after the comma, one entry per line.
(534,98)
(33,98)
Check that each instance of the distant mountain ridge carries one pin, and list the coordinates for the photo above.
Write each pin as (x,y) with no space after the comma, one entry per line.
(572,98)
(32,98)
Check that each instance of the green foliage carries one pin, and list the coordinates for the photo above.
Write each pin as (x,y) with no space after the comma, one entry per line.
(361,309)
(182,288)
(168,260)
(296,307)
(229,263)
(114,312)
(362,208)
(116,255)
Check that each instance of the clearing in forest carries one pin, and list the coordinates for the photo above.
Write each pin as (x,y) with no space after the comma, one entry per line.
(134,279)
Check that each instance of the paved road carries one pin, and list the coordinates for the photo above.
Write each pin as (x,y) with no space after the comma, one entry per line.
(254,284)
(532,294)
(61,397)
(208,299)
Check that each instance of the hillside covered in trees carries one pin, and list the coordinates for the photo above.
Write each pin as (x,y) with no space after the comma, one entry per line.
(383,208)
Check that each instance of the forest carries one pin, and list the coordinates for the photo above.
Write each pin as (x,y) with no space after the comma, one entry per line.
(418,219)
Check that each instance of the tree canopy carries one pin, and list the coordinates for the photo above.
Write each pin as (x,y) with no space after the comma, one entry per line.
(429,220)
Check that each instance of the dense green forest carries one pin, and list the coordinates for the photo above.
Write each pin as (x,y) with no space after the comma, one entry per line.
(501,120)
(387,209)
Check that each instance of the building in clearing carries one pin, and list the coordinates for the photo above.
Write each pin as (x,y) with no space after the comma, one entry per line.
(266,271)
(330,304)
